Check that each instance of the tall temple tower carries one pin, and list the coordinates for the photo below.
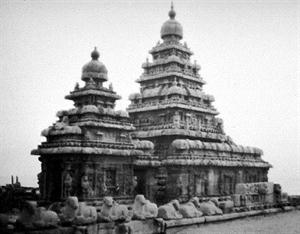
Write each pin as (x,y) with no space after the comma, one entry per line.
(196,157)
(89,152)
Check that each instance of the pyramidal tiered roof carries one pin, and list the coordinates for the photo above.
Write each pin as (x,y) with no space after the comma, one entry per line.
(92,126)
(172,104)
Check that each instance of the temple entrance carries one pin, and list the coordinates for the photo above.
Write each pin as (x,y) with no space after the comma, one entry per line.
(141,182)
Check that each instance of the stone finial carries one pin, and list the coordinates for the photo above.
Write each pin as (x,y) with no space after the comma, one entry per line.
(95,54)
(172,13)
(76,86)
(110,87)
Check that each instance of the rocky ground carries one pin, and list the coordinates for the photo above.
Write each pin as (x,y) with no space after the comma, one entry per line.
(282,223)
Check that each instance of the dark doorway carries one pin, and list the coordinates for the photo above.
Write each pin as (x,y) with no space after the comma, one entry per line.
(141,181)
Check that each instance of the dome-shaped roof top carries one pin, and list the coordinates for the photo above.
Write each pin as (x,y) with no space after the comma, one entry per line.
(171,26)
(94,69)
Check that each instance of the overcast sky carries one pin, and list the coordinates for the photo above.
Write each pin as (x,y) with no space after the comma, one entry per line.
(247,51)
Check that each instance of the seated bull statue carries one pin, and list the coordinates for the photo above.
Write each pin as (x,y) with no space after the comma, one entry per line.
(187,210)
(112,211)
(86,214)
(207,207)
(79,213)
(226,204)
(105,214)
(120,213)
(70,210)
(46,218)
(150,209)
(33,217)
(27,215)
(169,212)
(139,207)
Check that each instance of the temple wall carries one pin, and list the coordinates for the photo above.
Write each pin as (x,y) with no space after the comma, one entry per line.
(90,177)
(184,182)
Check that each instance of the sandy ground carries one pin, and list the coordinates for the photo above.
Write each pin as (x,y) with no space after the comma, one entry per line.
(282,223)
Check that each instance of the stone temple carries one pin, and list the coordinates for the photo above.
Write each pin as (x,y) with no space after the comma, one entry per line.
(171,145)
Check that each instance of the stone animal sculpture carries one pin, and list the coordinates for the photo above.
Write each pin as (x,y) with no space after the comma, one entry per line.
(69,211)
(207,207)
(32,217)
(187,210)
(112,211)
(45,218)
(27,215)
(120,213)
(79,213)
(226,205)
(86,214)
(168,212)
(105,214)
(138,207)
(150,209)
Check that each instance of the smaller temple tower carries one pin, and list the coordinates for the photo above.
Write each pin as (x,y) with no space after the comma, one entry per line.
(89,152)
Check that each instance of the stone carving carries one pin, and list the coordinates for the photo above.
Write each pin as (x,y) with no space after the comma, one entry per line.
(31,217)
(67,185)
(46,218)
(85,186)
(78,213)
(134,184)
(226,205)
(112,211)
(187,210)
(86,214)
(27,215)
(69,211)
(105,214)
(138,207)
(150,209)
(120,213)
(168,212)
(207,207)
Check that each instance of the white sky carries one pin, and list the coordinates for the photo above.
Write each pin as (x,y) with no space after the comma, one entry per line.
(247,50)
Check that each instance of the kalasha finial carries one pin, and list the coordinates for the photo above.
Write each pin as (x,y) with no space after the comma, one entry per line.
(172,13)
(95,54)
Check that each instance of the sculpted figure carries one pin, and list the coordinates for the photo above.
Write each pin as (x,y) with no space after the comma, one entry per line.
(150,209)
(120,213)
(105,214)
(45,218)
(277,193)
(168,212)
(31,216)
(85,186)
(138,207)
(134,184)
(188,210)
(207,207)
(226,205)
(78,213)
(67,184)
(27,215)
(70,210)
(86,214)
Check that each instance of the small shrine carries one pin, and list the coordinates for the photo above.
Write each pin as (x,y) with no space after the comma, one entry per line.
(89,152)
(195,156)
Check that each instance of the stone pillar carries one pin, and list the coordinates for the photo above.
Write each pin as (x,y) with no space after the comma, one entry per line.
(211,181)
